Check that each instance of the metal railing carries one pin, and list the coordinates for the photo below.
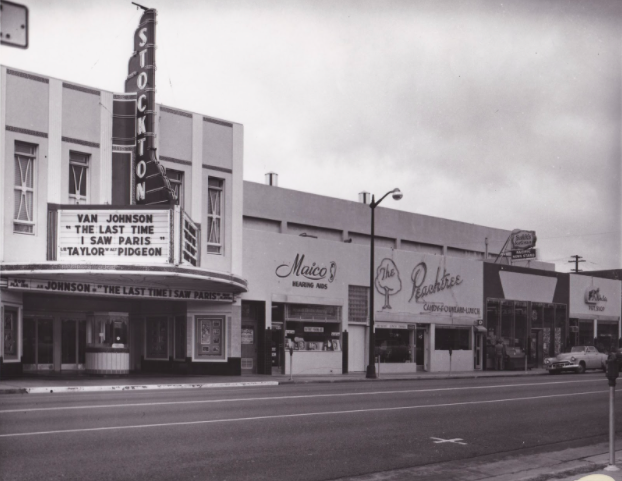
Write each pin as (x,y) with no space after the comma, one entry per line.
(190,241)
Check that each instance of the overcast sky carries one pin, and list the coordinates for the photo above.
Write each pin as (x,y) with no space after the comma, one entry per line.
(501,113)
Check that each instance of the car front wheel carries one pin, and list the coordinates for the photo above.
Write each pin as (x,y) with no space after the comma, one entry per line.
(581,368)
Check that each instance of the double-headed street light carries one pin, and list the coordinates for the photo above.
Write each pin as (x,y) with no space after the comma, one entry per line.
(371,367)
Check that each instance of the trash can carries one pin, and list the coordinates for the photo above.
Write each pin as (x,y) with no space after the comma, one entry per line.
(514,359)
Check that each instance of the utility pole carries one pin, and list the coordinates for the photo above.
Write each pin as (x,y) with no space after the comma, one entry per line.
(576,263)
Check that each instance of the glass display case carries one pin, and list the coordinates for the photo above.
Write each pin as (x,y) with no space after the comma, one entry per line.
(107,344)
(107,330)
(313,336)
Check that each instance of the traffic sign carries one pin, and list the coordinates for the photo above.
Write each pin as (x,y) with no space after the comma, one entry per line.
(13,24)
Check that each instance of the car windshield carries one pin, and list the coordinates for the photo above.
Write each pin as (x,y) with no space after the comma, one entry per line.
(577,349)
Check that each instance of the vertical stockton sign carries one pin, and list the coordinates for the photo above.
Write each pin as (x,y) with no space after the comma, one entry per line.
(151,183)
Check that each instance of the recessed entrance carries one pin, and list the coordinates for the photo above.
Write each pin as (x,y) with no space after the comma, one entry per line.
(38,344)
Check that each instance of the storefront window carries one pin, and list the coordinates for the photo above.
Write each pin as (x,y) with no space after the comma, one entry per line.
(573,335)
(10,333)
(507,321)
(586,333)
(394,345)
(536,315)
(180,337)
(521,323)
(313,336)
(210,337)
(456,339)
(156,329)
(561,342)
(107,330)
(492,318)
(607,336)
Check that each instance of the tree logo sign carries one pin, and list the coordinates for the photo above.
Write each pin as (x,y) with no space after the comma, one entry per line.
(388,280)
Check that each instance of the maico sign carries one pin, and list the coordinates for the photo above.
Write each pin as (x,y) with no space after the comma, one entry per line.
(151,185)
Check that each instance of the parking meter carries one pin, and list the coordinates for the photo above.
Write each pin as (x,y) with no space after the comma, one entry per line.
(613,370)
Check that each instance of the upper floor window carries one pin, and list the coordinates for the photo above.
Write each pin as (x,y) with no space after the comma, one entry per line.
(78,177)
(176,178)
(23,218)
(214,215)
(358,303)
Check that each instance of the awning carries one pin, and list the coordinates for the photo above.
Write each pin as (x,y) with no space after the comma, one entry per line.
(481,329)
(594,317)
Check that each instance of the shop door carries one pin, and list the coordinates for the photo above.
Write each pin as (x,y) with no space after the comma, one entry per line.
(356,348)
(249,346)
(536,348)
(73,342)
(420,348)
(277,349)
(38,342)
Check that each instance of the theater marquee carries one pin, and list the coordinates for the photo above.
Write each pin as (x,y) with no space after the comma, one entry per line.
(116,290)
(114,236)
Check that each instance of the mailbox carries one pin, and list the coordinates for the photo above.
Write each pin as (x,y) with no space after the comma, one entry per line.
(613,370)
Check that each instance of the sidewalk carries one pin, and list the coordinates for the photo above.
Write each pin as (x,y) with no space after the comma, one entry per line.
(566,465)
(76,382)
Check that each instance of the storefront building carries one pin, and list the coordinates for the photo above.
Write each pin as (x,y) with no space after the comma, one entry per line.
(91,280)
(527,309)
(595,312)
(306,258)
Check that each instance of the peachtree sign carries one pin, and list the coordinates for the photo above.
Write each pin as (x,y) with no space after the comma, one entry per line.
(117,290)
(114,236)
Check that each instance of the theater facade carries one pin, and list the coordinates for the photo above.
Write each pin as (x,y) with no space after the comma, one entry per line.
(94,280)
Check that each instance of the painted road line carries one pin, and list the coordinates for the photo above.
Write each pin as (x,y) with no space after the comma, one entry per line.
(299,415)
(455,441)
(142,387)
(284,398)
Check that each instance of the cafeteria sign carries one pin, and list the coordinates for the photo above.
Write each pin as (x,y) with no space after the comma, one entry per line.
(114,236)
(523,239)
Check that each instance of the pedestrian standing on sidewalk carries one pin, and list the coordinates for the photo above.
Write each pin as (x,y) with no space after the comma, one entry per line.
(499,355)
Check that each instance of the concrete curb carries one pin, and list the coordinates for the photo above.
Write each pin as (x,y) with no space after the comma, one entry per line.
(300,379)
(129,387)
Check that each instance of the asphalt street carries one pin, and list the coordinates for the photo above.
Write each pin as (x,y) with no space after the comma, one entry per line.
(294,432)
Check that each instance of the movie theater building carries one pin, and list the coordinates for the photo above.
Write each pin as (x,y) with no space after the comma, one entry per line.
(306,258)
(92,281)
(595,311)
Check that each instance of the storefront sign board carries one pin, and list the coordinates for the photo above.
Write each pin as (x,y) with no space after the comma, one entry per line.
(524,254)
(592,297)
(114,236)
(116,290)
(523,239)
(432,286)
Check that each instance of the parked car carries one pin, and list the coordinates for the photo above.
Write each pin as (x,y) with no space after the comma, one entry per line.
(578,360)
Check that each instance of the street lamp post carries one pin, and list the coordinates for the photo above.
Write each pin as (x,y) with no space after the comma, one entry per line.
(371,367)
